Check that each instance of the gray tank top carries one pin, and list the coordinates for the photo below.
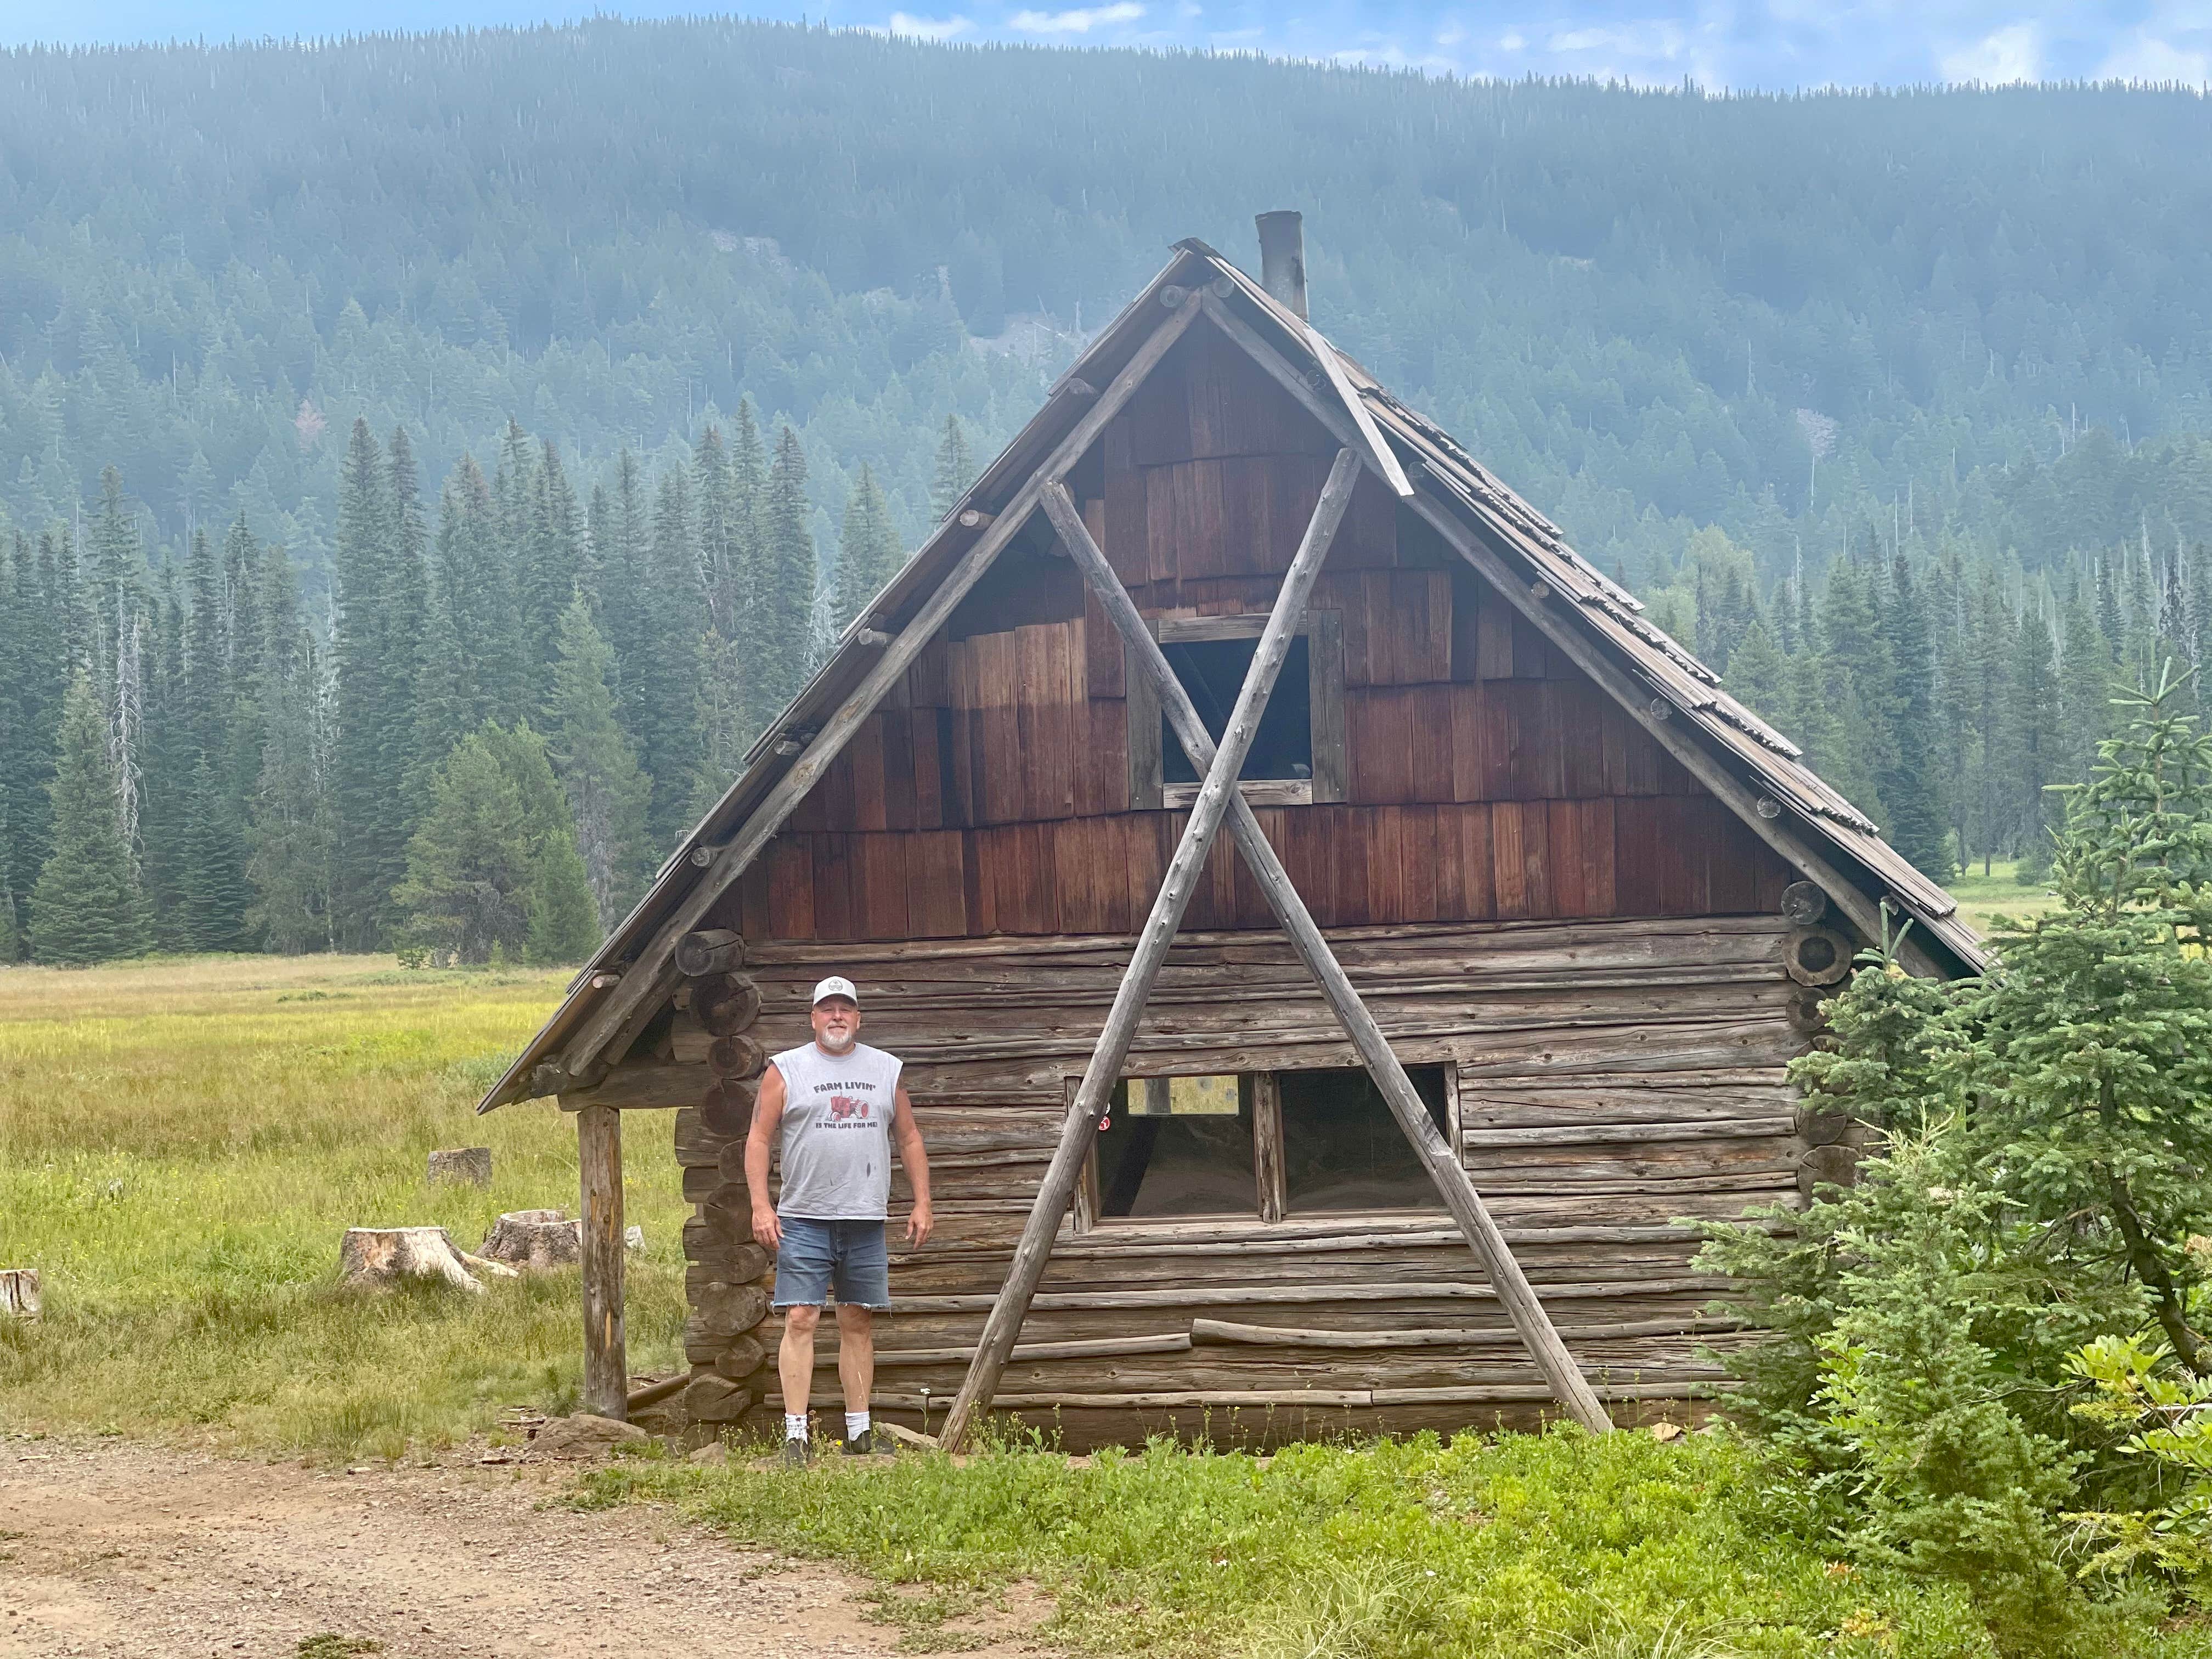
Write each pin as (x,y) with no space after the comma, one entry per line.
(837,1132)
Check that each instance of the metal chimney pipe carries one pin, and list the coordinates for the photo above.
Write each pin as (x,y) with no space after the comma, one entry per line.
(1283,258)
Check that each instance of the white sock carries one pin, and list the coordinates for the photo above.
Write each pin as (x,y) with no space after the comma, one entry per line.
(856,1425)
(794,1425)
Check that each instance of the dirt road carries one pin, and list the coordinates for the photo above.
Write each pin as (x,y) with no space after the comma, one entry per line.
(111,1548)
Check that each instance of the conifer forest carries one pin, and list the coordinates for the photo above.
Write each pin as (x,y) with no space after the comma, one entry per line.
(427,463)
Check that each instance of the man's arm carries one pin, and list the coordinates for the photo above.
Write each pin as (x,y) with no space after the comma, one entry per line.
(759,1140)
(916,1162)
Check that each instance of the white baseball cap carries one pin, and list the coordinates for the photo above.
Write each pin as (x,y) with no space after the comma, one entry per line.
(836,986)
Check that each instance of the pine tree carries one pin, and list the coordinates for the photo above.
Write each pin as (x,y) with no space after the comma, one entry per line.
(869,553)
(622,535)
(955,470)
(167,751)
(213,894)
(721,719)
(1912,782)
(713,491)
(1758,677)
(494,866)
(46,633)
(475,668)
(784,601)
(607,795)
(563,925)
(87,905)
(367,854)
(668,661)
(2085,678)
(470,861)
(17,599)
(2034,744)
(292,835)
(554,560)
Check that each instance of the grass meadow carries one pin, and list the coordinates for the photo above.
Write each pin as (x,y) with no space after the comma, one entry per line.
(182,1143)
(1983,898)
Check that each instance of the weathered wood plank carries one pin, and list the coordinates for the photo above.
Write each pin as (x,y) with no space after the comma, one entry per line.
(1215,799)
(606,1359)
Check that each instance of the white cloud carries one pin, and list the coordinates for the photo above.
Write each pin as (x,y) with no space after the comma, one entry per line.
(1656,39)
(1512,40)
(927,29)
(1080,21)
(2147,58)
(2014,53)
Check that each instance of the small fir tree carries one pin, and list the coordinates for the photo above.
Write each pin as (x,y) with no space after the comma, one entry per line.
(87,905)
(955,469)
(493,867)
(868,554)
(607,795)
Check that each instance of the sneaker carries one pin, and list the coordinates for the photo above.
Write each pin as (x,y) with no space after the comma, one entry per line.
(795,1454)
(861,1444)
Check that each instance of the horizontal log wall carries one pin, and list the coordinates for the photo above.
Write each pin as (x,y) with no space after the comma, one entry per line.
(1612,1079)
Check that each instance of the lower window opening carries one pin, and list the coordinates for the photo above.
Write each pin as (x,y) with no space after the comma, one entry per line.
(1342,1148)
(1178,1147)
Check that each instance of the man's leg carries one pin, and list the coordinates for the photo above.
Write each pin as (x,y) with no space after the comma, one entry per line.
(864,1285)
(795,1359)
(856,1355)
(802,1285)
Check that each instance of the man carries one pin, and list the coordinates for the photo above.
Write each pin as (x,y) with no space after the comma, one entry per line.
(840,1104)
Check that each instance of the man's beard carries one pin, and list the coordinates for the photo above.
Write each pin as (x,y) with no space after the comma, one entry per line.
(836,1045)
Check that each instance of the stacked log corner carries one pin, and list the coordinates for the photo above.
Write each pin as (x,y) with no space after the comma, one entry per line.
(727,1275)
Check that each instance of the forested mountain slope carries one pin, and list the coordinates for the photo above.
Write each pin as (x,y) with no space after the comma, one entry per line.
(1630,302)
(427,463)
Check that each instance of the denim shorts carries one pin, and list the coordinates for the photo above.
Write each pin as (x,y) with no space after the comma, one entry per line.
(814,1254)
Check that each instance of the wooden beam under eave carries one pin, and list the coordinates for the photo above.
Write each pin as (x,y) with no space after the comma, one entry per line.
(656,1087)
(1864,912)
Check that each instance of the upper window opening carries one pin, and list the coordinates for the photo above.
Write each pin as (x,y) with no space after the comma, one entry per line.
(1212,671)
(1178,1147)
(1342,1148)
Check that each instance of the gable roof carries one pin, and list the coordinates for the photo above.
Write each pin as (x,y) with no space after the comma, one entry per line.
(1602,628)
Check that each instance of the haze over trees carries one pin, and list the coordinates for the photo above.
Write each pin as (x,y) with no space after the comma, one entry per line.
(358,403)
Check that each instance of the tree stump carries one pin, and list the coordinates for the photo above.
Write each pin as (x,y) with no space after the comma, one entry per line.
(634,1237)
(18,1292)
(379,1257)
(535,1240)
(470,1166)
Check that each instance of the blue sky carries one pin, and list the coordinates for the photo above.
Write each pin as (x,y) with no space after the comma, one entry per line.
(1767,43)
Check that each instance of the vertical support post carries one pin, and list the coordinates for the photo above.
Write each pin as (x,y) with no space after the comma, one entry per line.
(1268,1168)
(606,1353)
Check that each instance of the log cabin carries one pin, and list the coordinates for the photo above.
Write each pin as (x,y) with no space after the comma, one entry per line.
(1518,922)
